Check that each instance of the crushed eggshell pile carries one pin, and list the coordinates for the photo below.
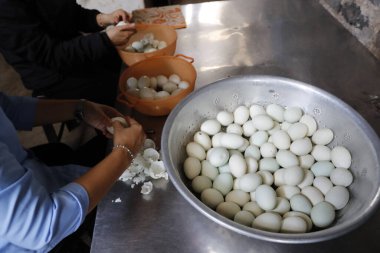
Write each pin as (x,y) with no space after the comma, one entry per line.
(144,167)
(156,87)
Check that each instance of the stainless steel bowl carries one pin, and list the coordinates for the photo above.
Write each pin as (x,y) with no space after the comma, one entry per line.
(350,129)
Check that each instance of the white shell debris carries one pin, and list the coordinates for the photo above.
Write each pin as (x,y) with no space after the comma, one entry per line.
(145,166)
(147,187)
(118,200)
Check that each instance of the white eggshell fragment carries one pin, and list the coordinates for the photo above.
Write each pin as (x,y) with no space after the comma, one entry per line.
(151,154)
(268,221)
(322,214)
(341,157)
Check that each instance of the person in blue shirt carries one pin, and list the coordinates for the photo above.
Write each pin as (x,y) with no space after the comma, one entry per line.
(40,205)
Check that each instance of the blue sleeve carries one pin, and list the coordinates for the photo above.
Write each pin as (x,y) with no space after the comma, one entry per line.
(32,217)
(20,110)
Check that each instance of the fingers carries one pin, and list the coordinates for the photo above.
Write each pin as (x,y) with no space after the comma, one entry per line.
(127,27)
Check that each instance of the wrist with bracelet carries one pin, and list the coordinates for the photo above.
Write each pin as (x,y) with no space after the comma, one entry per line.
(126,149)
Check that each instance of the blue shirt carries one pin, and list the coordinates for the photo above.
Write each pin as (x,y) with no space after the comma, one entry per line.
(39,205)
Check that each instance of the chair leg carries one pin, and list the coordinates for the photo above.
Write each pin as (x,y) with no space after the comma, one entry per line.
(51,134)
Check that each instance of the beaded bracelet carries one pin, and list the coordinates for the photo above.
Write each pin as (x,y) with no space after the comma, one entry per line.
(124,147)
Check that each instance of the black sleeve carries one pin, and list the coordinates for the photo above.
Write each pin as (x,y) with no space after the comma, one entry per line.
(87,19)
(23,33)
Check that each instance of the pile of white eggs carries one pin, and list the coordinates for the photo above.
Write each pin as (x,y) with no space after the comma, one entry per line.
(270,168)
(156,87)
(147,44)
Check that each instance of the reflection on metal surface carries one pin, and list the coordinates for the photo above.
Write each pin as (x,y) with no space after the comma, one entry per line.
(210,14)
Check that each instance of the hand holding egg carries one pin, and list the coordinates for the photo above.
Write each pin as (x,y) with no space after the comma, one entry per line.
(122,120)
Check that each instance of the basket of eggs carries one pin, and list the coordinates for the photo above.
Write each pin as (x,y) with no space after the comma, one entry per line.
(148,41)
(155,85)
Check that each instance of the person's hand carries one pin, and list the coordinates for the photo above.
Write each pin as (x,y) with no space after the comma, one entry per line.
(113,18)
(119,35)
(99,116)
(133,136)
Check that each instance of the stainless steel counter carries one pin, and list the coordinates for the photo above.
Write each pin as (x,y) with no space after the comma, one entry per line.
(291,38)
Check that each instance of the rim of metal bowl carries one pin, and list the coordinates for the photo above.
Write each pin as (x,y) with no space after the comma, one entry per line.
(311,237)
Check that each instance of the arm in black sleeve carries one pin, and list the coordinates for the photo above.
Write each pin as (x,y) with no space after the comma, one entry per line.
(87,19)
(23,33)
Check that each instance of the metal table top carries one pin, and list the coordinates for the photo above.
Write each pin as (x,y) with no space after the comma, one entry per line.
(289,38)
